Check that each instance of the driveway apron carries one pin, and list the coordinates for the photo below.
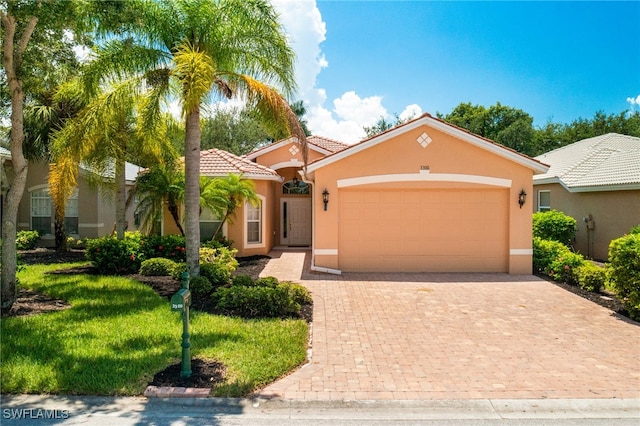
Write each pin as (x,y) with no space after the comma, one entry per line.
(455,336)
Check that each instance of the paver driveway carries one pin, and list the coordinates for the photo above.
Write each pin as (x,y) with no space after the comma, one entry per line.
(456,336)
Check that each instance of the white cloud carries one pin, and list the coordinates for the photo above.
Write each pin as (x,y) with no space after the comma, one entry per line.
(410,112)
(634,101)
(351,112)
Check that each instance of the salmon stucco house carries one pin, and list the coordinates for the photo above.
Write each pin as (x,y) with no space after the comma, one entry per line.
(423,196)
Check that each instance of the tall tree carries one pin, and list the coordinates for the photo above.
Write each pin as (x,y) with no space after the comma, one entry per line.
(506,125)
(233,130)
(224,48)
(29,29)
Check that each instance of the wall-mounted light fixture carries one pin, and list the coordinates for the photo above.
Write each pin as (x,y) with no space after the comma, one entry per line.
(522,197)
(325,198)
(295,181)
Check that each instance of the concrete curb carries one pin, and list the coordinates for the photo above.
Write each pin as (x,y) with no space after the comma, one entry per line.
(298,410)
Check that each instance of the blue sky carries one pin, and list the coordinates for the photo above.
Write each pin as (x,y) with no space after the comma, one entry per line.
(359,60)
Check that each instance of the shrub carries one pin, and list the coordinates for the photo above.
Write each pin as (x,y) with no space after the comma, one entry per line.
(563,268)
(220,241)
(26,240)
(556,260)
(590,277)
(157,266)
(218,275)
(266,282)
(222,256)
(256,302)
(112,256)
(545,252)
(200,287)
(178,270)
(167,246)
(242,280)
(624,271)
(299,293)
(635,230)
(554,225)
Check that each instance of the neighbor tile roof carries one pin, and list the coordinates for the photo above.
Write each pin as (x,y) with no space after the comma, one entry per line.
(4,152)
(217,162)
(595,163)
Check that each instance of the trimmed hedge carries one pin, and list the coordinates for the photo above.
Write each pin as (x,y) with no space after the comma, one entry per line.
(112,256)
(218,275)
(157,266)
(262,298)
(624,271)
(554,225)
(591,277)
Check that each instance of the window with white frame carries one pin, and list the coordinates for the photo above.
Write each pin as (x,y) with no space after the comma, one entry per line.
(209,223)
(254,221)
(544,201)
(41,211)
(71,214)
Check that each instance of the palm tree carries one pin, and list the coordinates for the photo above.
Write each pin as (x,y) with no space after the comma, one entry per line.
(194,50)
(101,137)
(224,196)
(159,186)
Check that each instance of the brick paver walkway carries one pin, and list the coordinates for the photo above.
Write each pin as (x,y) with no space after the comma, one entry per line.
(456,336)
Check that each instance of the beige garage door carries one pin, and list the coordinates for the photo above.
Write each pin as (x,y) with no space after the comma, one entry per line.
(441,230)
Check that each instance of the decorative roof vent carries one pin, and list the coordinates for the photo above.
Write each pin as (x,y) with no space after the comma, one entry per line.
(424,140)
(294,150)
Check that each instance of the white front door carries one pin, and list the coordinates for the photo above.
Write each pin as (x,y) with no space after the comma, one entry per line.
(295,216)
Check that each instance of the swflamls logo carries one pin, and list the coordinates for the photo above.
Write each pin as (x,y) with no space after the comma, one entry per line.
(33,413)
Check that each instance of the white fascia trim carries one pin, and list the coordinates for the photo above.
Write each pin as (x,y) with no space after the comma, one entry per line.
(603,188)
(425,176)
(590,188)
(521,252)
(294,162)
(325,252)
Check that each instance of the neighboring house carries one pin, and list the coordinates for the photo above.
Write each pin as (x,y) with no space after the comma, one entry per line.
(597,182)
(90,211)
(423,196)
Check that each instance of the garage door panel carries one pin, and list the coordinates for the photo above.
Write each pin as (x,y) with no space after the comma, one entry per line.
(424,230)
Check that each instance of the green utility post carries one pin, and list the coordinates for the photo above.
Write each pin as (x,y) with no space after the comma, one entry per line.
(180,302)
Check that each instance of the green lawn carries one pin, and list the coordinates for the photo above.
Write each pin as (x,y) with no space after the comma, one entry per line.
(119,333)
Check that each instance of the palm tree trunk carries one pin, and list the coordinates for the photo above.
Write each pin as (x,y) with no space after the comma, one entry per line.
(121,198)
(192,191)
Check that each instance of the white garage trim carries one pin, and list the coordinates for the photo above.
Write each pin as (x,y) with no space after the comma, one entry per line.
(521,252)
(424,176)
(325,252)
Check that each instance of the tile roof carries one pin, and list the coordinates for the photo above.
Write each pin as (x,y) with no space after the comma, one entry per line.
(327,144)
(606,162)
(319,143)
(217,162)
(4,152)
